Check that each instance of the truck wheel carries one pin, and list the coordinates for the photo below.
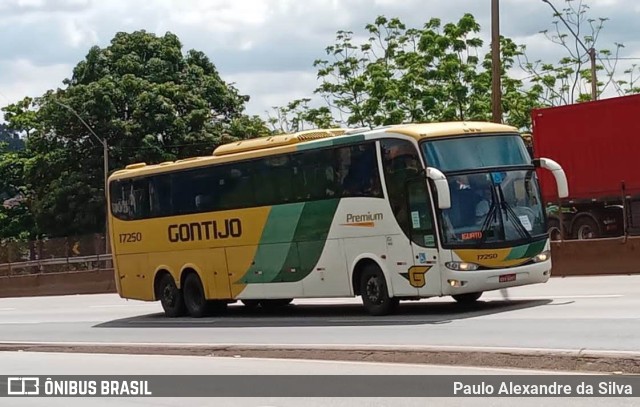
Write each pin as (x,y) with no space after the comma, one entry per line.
(170,297)
(585,228)
(373,289)
(553,228)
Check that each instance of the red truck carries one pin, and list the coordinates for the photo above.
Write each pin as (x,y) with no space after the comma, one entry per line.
(598,145)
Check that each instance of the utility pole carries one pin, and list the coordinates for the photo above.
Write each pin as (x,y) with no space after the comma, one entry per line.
(594,78)
(105,153)
(590,51)
(496,71)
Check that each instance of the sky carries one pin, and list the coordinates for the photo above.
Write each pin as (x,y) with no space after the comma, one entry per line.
(265,47)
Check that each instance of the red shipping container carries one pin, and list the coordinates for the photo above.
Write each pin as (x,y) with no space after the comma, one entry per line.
(597,144)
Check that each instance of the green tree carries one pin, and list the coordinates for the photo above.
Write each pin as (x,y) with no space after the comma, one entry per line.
(10,138)
(402,74)
(297,115)
(151,103)
(16,220)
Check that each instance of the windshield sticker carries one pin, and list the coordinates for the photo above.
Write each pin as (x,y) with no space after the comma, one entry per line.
(429,240)
(472,235)
(524,219)
(415,219)
(497,177)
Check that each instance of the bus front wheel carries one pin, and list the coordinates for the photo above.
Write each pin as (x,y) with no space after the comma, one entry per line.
(468,298)
(170,297)
(374,292)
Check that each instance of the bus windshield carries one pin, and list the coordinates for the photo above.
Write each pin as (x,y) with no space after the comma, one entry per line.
(466,153)
(493,206)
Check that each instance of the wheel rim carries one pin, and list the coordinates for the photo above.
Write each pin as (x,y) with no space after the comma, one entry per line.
(374,290)
(585,232)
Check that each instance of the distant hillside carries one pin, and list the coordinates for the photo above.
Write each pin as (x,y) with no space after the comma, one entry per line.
(14,142)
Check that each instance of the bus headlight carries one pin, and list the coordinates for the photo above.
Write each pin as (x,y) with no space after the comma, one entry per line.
(461,266)
(544,256)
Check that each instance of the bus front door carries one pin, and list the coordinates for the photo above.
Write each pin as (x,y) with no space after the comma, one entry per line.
(424,274)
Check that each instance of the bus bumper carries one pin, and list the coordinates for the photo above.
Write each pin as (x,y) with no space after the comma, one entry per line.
(462,282)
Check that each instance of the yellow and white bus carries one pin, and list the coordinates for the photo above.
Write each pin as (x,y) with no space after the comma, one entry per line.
(394,213)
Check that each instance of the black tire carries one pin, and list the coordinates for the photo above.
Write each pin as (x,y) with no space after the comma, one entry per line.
(553,228)
(274,304)
(216,307)
(585,228)
(467,299)
(251,304)
(194,298)
(374,292)
(170,297)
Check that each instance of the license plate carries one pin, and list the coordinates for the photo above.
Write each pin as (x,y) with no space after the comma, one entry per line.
(506,278)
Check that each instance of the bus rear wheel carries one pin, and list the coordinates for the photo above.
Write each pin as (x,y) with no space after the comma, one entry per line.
(170,297)
(374,292)
(466,299)
(194,298)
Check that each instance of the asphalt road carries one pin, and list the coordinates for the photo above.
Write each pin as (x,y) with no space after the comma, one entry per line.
(25,363)
(596,313)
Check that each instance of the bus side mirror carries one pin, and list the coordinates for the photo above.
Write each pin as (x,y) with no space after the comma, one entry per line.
(558,174)
(442,187)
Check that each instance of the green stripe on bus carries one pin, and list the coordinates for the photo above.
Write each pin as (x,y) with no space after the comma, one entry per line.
(535,248)
(311,236)
(281,223)
(526,251)
(275,243)
(517,252)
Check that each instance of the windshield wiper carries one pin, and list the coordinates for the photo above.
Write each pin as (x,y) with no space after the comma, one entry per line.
(514,217)
(489,219)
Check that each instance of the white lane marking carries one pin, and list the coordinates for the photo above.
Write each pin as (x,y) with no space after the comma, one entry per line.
(7,309)
(562,297)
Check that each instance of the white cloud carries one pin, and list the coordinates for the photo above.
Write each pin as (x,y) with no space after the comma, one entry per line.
(20,78)
(266,46)
(269,89)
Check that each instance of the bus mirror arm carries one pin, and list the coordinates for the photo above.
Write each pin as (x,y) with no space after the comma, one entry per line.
(558,174)
(442,187)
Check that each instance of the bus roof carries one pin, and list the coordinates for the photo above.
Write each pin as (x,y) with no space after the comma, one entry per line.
(287,143)
(420,131)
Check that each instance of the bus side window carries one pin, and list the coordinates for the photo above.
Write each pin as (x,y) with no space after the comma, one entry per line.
(272,181)
(237,188)
(139,198)
(401,163)
(314,175)
(160,196)
(120,199)
(359,171)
